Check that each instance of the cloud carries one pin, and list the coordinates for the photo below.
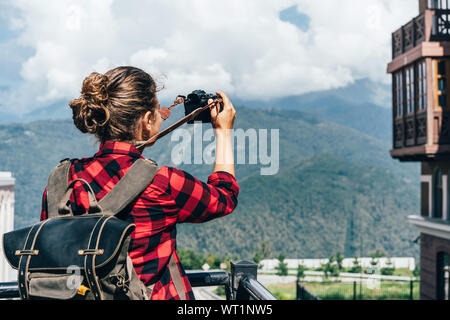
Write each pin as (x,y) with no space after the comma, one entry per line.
(240,47)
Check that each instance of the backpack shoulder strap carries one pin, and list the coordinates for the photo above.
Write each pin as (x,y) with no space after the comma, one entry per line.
(56,186)
(135,181)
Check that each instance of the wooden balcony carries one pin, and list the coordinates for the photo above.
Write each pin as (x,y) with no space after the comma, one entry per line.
(414,139)
(410,130)
(429,26)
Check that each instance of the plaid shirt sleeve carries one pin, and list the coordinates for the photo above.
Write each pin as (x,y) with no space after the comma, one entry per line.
(198,201)
(44,208)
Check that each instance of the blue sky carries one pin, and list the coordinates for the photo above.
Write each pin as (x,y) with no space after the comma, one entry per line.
(297,18)
(249,49)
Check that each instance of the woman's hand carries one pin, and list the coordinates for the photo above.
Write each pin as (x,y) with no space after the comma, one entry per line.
(225,118)
(222,123)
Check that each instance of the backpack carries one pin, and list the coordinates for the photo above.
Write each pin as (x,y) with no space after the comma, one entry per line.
(82,257)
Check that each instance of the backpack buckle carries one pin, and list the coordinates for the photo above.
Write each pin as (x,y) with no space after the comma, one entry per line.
(27,252)
(86,252)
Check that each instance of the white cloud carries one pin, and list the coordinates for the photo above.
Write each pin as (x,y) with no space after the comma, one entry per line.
(240,47)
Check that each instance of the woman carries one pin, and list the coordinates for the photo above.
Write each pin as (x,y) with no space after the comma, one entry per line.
(121,108)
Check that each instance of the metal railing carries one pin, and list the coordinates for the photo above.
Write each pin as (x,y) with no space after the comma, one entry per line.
(240,283)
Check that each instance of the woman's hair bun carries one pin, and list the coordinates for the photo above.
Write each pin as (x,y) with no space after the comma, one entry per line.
(90,111)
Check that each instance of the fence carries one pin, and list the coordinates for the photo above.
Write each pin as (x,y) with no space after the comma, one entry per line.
(378,289)
(240,283)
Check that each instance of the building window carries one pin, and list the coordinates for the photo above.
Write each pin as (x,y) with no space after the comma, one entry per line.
(398,94)
(422,85)
(438,4)
(409,89)
(437,194)
(443,273)
(441,83)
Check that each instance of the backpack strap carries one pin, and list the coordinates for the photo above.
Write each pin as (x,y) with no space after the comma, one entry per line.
(177,279)
(64,208)
(56,186)
(135,181)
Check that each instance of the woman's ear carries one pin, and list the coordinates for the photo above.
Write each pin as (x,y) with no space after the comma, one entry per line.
(148,118)
(146,125)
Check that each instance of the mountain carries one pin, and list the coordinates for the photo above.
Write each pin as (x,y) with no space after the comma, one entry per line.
(363,105)
(366,117)
(316,207)
(54,111)
(31,150)
(7,117)
(361,91)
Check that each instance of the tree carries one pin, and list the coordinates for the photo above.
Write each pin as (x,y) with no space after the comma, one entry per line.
(190,259)
(416,272)
(356,268)
(389,269)
(213,261)
(262,252)
(282,269)
(300,271)
(339,260)
(331,267)
(373,260)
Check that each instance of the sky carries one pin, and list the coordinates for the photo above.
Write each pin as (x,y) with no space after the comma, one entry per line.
(252,49)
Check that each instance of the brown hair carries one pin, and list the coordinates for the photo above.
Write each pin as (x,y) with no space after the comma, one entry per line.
(111,103)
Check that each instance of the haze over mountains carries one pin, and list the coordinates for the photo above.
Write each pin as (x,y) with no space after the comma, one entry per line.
(337,186)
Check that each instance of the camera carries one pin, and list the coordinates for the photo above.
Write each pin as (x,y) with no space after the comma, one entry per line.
(198,99)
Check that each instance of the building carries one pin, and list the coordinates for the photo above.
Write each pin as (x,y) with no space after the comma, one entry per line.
(420,69)
(6,219)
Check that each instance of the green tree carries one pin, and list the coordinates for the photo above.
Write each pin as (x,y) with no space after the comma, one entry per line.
(213,261)
(191,260)
(356,267)
(331,267)
(416,272)
(389,269)
(282,269)
(373,260)
(300,271)
(339,260)
(262,252)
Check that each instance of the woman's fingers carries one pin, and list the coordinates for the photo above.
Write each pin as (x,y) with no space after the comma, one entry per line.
(223,119)
(213,109)
(226,101)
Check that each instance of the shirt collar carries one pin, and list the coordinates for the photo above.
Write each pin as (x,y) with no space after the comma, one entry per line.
(118,147)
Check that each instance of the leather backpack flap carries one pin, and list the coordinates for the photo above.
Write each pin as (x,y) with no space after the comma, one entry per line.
(62,242)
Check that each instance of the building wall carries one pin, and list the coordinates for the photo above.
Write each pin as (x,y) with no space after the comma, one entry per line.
(430,246)
(426,181)
(6,220)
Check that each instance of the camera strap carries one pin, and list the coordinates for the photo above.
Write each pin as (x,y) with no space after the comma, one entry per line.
(192,115)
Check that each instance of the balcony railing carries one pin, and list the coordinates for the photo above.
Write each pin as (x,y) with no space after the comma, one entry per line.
(410,130)
(436,22)
(240,283)
(408,36)
(441,25)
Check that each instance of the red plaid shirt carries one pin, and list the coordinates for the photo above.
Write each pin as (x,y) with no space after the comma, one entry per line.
(173,197)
